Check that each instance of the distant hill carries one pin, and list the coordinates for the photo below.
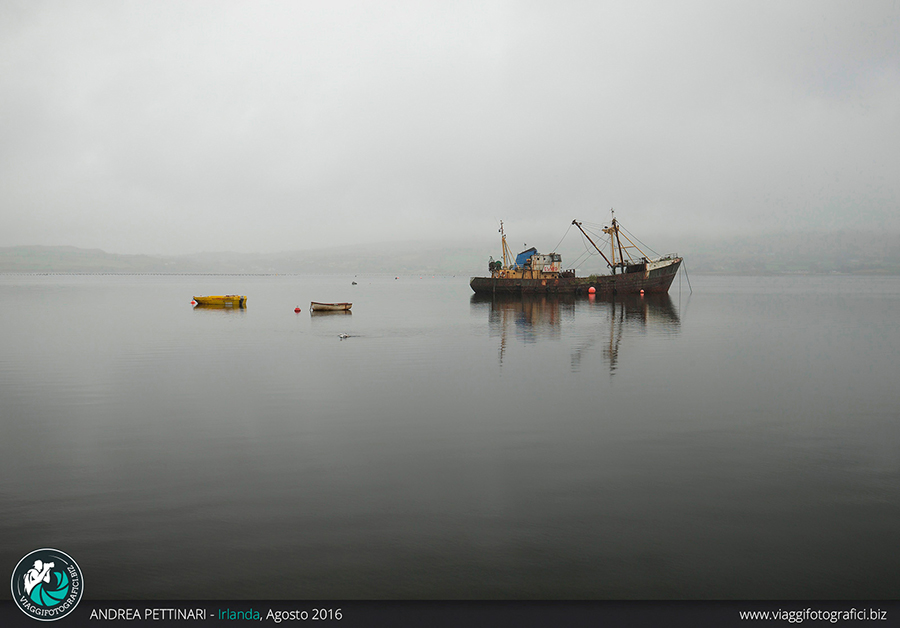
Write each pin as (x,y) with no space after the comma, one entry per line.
(407,258)
(841,252)
(389,258)
(31,259)
(848,252)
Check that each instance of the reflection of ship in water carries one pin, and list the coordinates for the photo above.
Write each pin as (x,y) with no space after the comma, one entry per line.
(525,317)
(529,318)
(629,313)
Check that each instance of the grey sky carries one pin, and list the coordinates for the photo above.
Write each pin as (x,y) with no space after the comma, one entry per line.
(175,127)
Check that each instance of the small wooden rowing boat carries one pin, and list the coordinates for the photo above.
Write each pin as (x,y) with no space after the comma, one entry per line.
(315,306)
(226,300)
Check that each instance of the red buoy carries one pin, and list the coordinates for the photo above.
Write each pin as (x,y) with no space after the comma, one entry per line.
(642,293)
(193,302)
(592,290)
(296,309)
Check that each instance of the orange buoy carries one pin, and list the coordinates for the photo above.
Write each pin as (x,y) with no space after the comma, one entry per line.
(592,290)
(642,293)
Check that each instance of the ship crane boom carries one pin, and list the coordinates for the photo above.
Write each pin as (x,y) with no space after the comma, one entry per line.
(608,263)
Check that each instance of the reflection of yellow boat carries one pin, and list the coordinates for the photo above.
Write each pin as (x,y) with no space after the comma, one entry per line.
(227,300)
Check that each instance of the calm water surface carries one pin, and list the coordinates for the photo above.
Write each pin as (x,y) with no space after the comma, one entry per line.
(741,442)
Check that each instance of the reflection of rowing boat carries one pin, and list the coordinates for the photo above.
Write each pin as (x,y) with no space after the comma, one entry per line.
(315,306)
(227,300)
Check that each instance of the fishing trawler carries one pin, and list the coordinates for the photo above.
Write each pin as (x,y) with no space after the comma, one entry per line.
(631,270)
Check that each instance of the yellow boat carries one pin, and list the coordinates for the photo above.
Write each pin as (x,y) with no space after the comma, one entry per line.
(227,300)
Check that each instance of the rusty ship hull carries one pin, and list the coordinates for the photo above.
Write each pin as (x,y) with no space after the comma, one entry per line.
(655,277)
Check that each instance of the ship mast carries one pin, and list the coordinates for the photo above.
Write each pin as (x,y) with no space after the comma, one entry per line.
(507,256)
(615,242)
(615,237)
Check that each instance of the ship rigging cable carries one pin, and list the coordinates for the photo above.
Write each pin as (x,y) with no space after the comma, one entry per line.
(589,251)
(635,237)
(561,240)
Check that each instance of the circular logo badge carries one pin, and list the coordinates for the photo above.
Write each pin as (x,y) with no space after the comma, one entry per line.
(47,584)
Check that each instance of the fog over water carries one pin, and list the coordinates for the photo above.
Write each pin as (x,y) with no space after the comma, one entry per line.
(172,127)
